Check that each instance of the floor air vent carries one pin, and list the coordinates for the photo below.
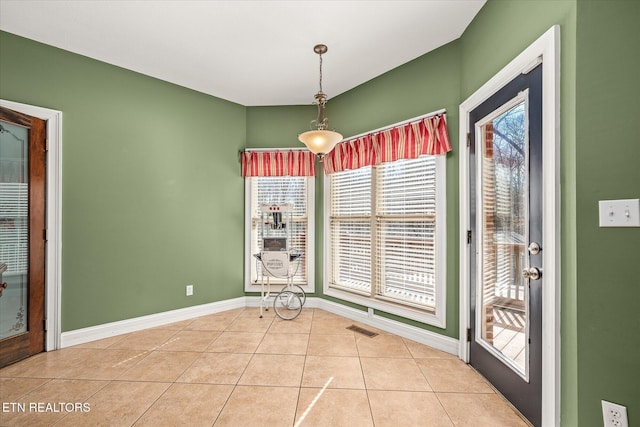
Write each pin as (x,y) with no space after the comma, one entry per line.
(362,331)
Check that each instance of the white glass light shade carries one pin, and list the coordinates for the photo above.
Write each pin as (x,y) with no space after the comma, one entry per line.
(320,141)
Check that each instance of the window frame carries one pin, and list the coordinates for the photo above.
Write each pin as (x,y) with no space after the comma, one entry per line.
(309,286)
(435,317)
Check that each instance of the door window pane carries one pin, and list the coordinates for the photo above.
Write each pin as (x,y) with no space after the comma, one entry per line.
(14,228)
(504,235)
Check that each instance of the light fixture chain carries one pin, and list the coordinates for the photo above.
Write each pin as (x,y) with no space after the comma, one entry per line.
(320,73)
(318,139)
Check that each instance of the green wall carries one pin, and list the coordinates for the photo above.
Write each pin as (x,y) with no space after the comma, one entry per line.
(446,77)
(132,141)
(269,127)
(498,34)
(143,213)
(428,83)
(607,156)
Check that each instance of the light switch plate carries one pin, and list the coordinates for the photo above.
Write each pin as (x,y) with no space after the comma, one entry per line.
(619,213)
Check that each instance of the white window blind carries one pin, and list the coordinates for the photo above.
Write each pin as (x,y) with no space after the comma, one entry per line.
(398,240)
(350,222)
(282,189)
(405,230)
(14,226)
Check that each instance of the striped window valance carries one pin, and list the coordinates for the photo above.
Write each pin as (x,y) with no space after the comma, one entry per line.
(278,163)
(428,135)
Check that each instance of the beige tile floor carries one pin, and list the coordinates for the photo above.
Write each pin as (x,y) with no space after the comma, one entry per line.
(235,369)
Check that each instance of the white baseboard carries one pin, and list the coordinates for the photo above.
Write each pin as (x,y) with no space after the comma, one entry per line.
(422,336)
(107,330)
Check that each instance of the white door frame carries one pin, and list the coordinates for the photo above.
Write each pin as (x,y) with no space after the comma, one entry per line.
(547,49)
(53,262)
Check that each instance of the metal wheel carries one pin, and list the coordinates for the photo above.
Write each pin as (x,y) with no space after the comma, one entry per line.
(287,305)
(298,291)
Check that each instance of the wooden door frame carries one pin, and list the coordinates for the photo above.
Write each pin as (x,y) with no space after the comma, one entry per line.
(53,220)
(545,49)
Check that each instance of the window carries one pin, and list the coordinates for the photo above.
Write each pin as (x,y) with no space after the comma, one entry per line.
(298,190)
(385,237)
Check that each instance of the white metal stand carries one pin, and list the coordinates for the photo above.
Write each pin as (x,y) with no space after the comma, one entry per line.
(276,258)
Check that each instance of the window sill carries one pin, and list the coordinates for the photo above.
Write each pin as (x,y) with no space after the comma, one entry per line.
(407,312)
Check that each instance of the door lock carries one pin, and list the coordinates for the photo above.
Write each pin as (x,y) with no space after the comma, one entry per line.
(532,273)
(534,248)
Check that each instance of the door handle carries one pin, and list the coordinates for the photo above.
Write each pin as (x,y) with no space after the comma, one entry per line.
(532,273)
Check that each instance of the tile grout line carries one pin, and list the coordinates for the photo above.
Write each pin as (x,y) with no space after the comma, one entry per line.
(304,366)
(235,386)
(271,328)
(85,400)
(424,375)
(31,390)
(364,380)
(171,339)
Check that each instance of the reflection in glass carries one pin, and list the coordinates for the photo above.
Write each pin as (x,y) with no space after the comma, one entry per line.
(504,234)
(14,231)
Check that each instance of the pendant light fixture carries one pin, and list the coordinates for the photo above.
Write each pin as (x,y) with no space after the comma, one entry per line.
(319,140)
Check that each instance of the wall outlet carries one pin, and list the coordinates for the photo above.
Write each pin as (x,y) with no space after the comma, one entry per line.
(614,415)
(189,290)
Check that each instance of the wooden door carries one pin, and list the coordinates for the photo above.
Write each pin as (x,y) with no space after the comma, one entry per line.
(22,235)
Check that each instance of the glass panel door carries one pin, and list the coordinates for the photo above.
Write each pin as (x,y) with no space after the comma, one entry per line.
(14,229)
(506,281)
(503,320)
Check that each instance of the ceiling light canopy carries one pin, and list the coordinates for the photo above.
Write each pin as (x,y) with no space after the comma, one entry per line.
(320,141)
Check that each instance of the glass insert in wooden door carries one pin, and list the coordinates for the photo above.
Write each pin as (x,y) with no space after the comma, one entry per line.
(14,229)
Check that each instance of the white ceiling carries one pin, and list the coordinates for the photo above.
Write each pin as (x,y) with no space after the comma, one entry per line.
(249,52)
